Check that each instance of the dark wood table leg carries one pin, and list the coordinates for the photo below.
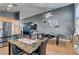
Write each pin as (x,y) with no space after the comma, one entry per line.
(9,49)
(57,40)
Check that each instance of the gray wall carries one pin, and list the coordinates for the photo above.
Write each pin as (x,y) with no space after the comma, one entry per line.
(64,16)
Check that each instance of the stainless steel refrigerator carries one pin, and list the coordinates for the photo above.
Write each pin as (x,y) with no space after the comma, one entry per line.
(5,32)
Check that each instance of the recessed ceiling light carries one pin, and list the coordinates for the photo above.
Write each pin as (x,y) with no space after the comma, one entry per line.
(12,5)
(7,8)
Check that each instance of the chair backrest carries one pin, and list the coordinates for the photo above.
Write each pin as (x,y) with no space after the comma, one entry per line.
(43,46)
(76,39)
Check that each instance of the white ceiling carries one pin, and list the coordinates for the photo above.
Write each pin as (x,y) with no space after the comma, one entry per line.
(30,9)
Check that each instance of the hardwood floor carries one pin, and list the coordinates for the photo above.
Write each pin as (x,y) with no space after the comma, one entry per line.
(64,48)
(4,50)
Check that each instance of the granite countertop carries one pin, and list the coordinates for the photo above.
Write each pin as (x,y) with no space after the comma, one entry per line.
(28,48)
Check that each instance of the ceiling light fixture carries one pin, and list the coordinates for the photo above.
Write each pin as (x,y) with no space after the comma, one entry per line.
(50,19)
(10,6)
(47,15)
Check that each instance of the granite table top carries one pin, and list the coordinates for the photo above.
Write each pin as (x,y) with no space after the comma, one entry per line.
(29,48)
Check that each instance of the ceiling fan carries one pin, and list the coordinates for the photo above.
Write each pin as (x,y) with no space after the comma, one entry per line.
(49,18)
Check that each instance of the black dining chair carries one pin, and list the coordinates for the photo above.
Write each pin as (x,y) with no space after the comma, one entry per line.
(16,50)
(41,49)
